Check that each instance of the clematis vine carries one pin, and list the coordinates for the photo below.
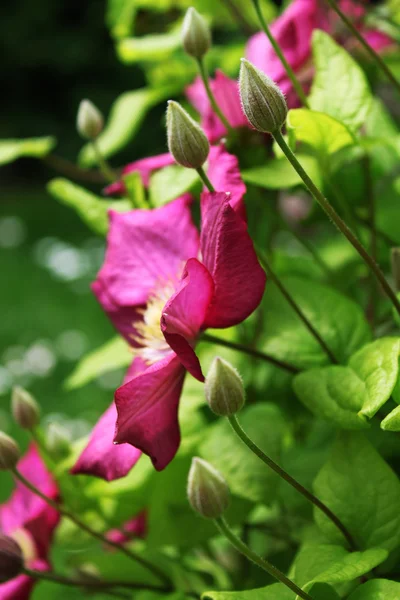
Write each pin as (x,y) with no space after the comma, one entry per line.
(30,522)
(162,285)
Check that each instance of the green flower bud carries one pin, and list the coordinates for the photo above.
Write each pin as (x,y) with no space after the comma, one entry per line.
(395,260)
(263,103)
(89,121)
(224,388)
(196,36)
(207,490)
(24,408)
(187,142)
(9,452)
(58,440)
(11,559)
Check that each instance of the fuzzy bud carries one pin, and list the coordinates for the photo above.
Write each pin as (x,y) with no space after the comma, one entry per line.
(395,261)
(224,389)
(24,408)
(9,452)
(263,103)
(89,121)
(207,490)
(196,36)
(187,142)
(11,559)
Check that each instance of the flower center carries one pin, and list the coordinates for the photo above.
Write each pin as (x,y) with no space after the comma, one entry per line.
(148,334)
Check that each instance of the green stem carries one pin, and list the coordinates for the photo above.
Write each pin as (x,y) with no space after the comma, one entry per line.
(255,558)
(374,55)
(97,584)
(295,82)
(107,171)
(286,294)
(207,337)
(205,180)
(99,536)
(340,224)
(211,97)
(69,169)
(290,480)
(370,194)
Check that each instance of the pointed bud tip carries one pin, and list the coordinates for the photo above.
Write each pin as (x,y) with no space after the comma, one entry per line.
(207,490)
(187,142)
(263,102)
(24,408)
(223,388)
(196,35)
(9,452)
(89,121)
(11,559)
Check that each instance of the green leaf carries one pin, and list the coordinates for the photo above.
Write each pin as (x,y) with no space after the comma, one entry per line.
(279,173)
(320,591)
(392,421)
(333,393)
(362,490)
(171,182)
(277,591)
(149,47)
(377,589)
(36,147)
(112,355)
(339,321)
(91,208)
(377,364)
(246,474)
(328,563)
(127,114)
(320,132)
(340,87)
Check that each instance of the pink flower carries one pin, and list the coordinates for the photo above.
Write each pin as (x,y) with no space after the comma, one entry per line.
(293,32)
(226,93)
(161,296)
(145,167)
(135,528)
(30,521)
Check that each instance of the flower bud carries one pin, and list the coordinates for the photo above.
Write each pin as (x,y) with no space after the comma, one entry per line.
(89,122)
(58,440)
(196,36)
(263,103)
(187,142)
(223,388)
(395,261)
(24,408)
(208,492)
(9,452)
(11,559)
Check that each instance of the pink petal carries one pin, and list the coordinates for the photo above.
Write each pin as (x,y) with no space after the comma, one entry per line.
(224,173)
(229,255)
(184,314)
(144,166)
(145,248)
(227,97)
(19,588)
(135,528)
(101,457)
(147,410)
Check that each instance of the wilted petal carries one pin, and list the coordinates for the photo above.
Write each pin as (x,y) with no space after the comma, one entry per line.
(147,410)
(145,248)
(223,171)
(184,314)
(227,97)
(145,167)
(229,255)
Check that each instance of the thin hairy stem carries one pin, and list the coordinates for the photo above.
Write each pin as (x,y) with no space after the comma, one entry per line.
(205,180)
(241,547)
(337,220)
(295,82)
(105,168)
(290,480)
(99,536)
(207,337)
(211,97)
